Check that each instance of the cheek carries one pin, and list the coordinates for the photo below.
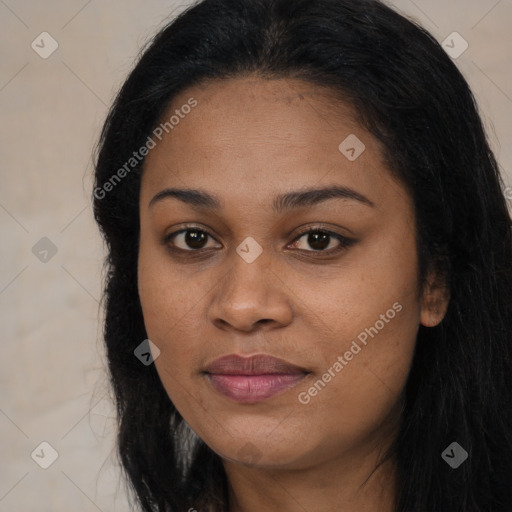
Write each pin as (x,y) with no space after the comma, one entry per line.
(168,305)
(168,310)
(166,295)
(366,386)
(373,311)
(372,300)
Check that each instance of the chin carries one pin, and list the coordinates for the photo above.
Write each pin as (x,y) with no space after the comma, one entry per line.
(263,452)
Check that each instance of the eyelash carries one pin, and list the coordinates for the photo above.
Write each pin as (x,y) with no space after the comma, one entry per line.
(344,242)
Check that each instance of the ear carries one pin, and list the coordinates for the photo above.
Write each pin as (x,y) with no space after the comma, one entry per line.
(434,302)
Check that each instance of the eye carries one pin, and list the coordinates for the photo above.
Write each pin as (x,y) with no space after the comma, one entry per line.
(190,239)
(321,240)
(193,239)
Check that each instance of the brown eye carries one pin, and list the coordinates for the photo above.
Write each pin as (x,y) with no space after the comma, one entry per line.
(191,239)
(318,240)
(321,241)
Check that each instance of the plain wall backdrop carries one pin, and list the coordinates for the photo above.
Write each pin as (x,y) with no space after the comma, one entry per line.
(53,383)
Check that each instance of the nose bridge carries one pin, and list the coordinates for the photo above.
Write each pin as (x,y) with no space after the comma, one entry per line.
(250,291)
(250,272)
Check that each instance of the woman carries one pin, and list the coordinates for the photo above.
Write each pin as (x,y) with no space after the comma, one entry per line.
(308,298)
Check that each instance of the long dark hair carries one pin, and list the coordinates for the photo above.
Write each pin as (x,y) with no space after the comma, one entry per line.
(410,95)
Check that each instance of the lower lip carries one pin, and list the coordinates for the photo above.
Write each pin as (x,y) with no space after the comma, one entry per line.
(253,388)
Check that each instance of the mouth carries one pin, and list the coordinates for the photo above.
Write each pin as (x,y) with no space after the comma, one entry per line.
(252,379)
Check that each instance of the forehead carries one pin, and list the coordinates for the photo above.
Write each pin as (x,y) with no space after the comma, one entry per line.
(256,135)
(257,109)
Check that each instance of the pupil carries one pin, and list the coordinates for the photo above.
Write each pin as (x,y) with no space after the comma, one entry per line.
(195,239)
(318,240)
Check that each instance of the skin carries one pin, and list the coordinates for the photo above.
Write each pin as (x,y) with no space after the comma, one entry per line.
(248,140)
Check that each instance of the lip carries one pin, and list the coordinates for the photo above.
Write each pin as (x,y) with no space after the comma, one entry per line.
(252,379)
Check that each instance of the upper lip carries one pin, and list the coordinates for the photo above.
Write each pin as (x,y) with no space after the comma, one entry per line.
(259,364)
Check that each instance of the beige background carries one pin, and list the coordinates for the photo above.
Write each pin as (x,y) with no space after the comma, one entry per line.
(52,379)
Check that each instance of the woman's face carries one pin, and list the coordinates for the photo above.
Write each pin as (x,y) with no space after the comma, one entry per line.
(267,161)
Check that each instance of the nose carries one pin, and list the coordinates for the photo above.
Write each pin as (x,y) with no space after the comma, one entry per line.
(251,296)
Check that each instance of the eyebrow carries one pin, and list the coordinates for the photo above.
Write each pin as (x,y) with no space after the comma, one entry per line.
(283,202)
